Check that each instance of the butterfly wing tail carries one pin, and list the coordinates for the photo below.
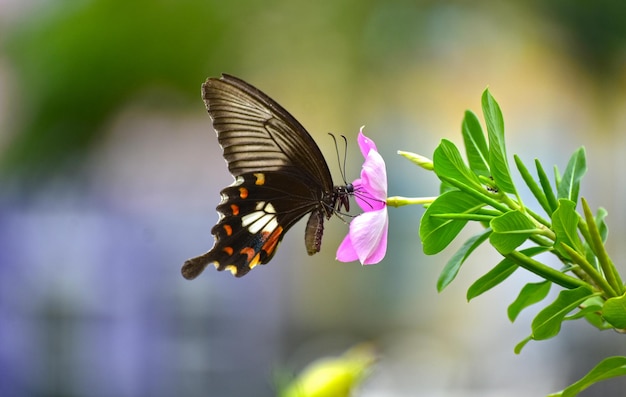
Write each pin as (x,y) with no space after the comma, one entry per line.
(194,266)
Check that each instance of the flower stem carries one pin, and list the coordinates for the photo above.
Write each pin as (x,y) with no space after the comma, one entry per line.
(398,201)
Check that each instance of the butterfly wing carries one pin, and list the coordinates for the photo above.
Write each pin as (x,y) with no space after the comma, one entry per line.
(259,135)
(280,176)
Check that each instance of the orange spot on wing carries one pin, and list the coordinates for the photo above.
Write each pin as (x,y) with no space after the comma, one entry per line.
(249,252)
(243,192)
(228,250)
(260,179)
(235,209)
(228,229)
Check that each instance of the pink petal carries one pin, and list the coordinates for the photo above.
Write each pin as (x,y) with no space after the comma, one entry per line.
(371,189)
(365,143)
(368,236)
(346,252)
(374,175)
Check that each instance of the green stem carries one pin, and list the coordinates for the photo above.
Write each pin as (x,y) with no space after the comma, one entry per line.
(511,203)
(545,272)
(399,201)
(474,193)
(539,218)
(490,212)
(464,217)
(589,270)
(541,240)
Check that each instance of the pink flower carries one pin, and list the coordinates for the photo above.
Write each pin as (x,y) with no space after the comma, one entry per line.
(367,238)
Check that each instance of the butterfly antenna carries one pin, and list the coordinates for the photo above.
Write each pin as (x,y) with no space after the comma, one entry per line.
(342,167)
(345,156)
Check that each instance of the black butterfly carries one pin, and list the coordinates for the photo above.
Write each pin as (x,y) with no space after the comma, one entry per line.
(280,176)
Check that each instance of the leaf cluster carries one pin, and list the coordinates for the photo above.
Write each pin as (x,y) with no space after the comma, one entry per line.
(482,190)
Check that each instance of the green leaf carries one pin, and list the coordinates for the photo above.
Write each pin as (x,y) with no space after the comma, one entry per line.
(498,163)
(610,367)
(437,232)
(530,294)
(546,186)
(557,177)
(475,145)
(570,182)
(495,276)
(603,228)
(585,311)
(518,348)
(510,230)
(565,223)
(448,162)
(532,185)
(499,273)
(614,311)
(547,323)
(590,256)
(451,268)
(446,187)
(591,310)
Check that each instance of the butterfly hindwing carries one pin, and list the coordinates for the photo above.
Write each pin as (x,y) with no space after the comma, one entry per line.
(248,231)
(255,213)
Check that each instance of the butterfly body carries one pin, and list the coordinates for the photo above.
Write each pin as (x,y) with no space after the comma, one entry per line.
(280,176)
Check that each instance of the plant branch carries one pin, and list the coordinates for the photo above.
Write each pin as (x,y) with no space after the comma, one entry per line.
(545,272)
(589,270)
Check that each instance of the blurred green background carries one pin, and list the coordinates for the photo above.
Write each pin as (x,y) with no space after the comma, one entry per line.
(110,173)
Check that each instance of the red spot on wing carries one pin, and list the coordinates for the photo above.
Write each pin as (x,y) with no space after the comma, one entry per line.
(249,252)
(272,241)
(228,229)
(243,193)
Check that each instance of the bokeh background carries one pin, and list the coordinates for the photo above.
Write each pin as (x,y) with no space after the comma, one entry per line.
(110,173)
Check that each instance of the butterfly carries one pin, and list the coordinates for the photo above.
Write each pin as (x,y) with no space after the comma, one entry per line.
(280,176)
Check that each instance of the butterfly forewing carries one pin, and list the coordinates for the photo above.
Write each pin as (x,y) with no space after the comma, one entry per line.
(280,176)
(258,135)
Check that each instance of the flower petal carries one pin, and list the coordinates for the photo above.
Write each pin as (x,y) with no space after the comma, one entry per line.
(368,236)
(374,175)
(346,252)
(365,143)
(371,189)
